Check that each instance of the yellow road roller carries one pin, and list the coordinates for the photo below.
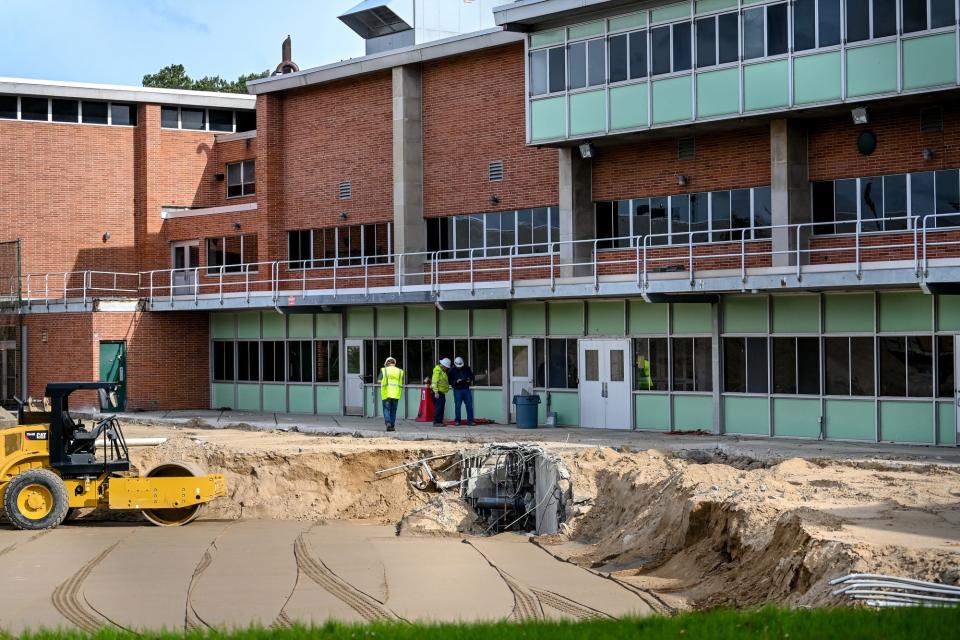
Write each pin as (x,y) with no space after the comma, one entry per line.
(51,468)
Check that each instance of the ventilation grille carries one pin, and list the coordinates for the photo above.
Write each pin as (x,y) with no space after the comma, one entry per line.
(346,190)
(495,171)
(931,120)
(686,149)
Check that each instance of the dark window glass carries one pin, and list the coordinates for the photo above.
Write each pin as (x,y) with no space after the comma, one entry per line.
(604,222)
(541,229)
(703,364)
(871,203)
(945,365)
(169,117)
(577,65)
(479,362)
(921,193)
(65,110)
(272,360)
(762,214)
(658,220)
(328,361)
(948,197)
(682,57)
(823,204)
(299,361)
(720,215)
(836,367)
(94,112)
(884,18)
(785,365)
(617,49)
(538,73)
(573,379)
(299,246)
(193,119)
(683,371)
(680,219)
(641,218)
(757,365)
(557,66)
(895,202)
(8,107)
(942,14)
(728,37)
(246,121)
(740,211)
(223,368)
(829,19)
(777,38)
(699,217)
(638,54)
(920,366)
(124,115)
(525,231)
(858,20)
(804,25)
(861,367)
(539,363)
(706,41)
(221,120)
(651,364)
(557,364)
(623,214)
(734,365)
(753,33)
(596,62)
(845,207)
(808,366)
(893,366)
(660,46)
(914,15)
(248,361)
(233,253)
(214,255)
(234,179)
(33,108)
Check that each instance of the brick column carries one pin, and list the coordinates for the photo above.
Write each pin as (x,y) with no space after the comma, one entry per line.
(270,177)
(789,188)
(147,178)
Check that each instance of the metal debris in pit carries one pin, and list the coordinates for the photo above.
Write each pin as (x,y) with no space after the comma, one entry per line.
(883,591)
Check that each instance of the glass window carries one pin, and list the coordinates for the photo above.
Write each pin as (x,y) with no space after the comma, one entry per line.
(682,55)
(248,361)
(272,358)
(728,37)
(223,369)
(778,41)
(541,229)
(231,252)
(734,365)
(804,25)
(683,366)
(641,217)
(920,366)
(921,193)
(638,55)
(942,13)
(195,119)
(884,18)
(757,365)
(577,65)
(680,219)
(871,203)
(945,366)
(123,114)
(538,73)
(299,361)
(739,210)
(707,41)
(845,205)
(836,369)
(660,47)
(753,35)
(651,365)
(720,215)
(699,217)
(221,120)
(619,58)
(246,120)
(8,108)
(893,366)
(299,249)
(525,231)
(829,22)
(65,110)
(785,365)
(762,214)
(703,363)
(596,62)
(948,197)
(328,360)
(604,225)
(623,216)
(858,20)
(796,366)
(33,108)
(914,15)
(557,69)
(823,206)
(658,220)
(895,202)
(539,363)
(862,381)
(241,178)
(169,117)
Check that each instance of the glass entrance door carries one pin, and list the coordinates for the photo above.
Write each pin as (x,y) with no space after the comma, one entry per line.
(353,378)
(185,259)
(521,369)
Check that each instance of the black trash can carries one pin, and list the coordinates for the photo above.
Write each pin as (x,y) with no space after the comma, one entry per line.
(526,411)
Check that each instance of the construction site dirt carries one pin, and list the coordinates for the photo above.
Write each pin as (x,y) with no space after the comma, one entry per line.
(313,529)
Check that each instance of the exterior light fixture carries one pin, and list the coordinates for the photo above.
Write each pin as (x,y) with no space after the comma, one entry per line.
(236,226)
(860,115)
(494,200)
(343,215)
(682,180)
(587,150)
(106,236)
(928,154)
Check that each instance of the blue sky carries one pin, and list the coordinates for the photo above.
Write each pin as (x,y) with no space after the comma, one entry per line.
(118,41)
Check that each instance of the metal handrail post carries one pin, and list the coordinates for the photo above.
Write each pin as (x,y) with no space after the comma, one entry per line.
(646,276)
(553,277)
(510,268)
(799,272)
(84,294)
(636,245)
(66,275)
(926,258)
(858,226)
(743,256)
(150,297)
(366,275)
(472,285)
(29,292)
(690,256)
(303,283)
(335,260)
(916,249)
(46,289)
(196,285)
(596,266)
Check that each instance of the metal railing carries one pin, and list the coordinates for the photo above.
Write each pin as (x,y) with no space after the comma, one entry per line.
(688,253)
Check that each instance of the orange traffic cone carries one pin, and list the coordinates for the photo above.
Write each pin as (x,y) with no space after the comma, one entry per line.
(425,414)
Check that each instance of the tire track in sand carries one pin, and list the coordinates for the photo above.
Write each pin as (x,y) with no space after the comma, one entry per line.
(568,606)
(68,597)
(526,605)
(13,546)
(191,620)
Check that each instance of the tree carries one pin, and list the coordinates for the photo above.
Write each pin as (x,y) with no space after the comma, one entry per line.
(175,76)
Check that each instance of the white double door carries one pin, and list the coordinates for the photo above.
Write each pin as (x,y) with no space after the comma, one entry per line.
(605,384)
(186,258)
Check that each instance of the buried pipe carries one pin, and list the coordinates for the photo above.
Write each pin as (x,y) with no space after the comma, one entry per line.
(138,442)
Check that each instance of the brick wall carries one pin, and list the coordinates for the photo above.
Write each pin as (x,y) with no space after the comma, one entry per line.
(473,113)
(167,355)
(726,160)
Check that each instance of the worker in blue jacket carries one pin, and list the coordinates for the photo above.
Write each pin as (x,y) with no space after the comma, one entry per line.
(461,379)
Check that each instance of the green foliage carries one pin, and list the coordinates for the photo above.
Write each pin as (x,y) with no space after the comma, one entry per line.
(175,76)
(719,624)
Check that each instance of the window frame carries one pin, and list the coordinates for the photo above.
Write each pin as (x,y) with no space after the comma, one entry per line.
(242,267)
(766,55)
(315,262)
(455,224)
(206,119)
(247,187)
(670,26)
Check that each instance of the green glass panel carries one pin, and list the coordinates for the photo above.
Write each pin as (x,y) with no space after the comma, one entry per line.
(652,411)
(631,21)
(411,398)
(766,85)
(546,38)
(300,398)
(454,322)
(567,407)
(872,69)
(746,415)
(906,421)
(421,321)
(328,400)
(224,325)
(273,325)
(947,423)
(905,311)
(692,317)
(274,398)
(605,317)
(487,403)
(718,92)
(360,322)
(223,396)
(796,417)
(948,313)
(548,118)
(328,325)
(816,78)
(300,325)
(796,314)
(672,100)
(588,112)
(587,30)
(706,6)
(848,312)
(670,12)
(248,325)
(390,322)
(930,61)
(487,322)
(753,1)
(692,412)
(566,318)
(248,397)
(648,319)
(628,106)
(850,420)
(745,314)
(528,319)
(541,408)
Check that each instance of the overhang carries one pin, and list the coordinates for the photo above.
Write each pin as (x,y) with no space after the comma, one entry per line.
(120,93)
(523,15)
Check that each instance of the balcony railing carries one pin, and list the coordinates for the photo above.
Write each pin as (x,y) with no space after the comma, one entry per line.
(797,250)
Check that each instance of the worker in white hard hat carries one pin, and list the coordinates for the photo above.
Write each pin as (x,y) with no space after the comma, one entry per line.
(391,388)
(461,378)
(439,385)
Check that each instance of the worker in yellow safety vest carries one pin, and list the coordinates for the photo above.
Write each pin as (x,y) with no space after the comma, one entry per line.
(440,385)
(645,380)
(391,388)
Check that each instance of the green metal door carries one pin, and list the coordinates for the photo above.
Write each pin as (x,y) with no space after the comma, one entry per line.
(113,368)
